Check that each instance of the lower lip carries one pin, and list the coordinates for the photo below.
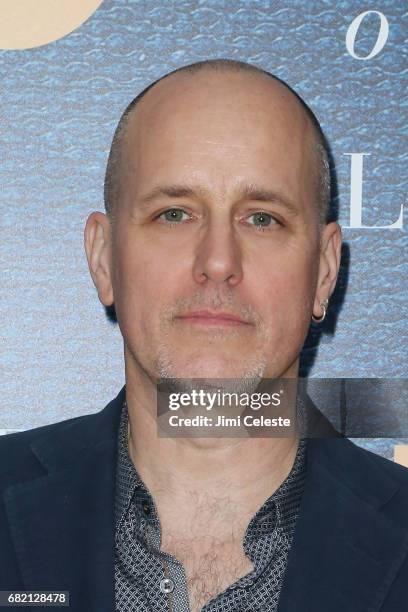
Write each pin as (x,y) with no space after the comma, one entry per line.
(212,321)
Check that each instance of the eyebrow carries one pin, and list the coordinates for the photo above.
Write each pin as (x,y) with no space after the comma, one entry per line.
(244,192)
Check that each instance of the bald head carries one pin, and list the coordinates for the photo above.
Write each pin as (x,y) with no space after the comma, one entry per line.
(283,102)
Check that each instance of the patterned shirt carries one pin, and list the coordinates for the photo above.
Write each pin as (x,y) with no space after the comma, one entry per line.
(150,580)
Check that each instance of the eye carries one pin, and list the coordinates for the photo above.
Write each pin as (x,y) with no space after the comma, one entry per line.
(172,215)
(263,220)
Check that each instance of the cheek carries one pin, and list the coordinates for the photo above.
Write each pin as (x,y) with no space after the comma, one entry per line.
(130,280)
(286,291)
(143,281)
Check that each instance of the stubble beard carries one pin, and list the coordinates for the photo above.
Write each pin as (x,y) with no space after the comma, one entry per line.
(244,374)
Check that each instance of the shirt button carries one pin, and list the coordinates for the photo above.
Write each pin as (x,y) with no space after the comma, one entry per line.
(166,585)
(146,508)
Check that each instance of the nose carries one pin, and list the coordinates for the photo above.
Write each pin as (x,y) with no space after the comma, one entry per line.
(218,256)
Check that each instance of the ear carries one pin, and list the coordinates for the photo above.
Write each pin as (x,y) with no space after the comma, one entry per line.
(97,243)
(329,265)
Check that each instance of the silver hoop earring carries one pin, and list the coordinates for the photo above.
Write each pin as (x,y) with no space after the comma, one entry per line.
(324,305)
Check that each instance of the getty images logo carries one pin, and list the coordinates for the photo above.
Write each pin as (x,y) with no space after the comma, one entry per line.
(357,159)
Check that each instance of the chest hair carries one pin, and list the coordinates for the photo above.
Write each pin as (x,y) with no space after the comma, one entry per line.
(211,563)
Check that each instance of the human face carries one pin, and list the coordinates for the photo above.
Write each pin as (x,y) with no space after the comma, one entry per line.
(217,215)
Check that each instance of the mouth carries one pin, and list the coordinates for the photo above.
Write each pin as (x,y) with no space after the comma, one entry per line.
(212,319)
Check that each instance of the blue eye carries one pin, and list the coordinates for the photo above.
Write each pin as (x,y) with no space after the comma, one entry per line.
(173,215)
(263,220)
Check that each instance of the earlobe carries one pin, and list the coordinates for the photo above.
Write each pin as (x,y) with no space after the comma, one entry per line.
(98,252)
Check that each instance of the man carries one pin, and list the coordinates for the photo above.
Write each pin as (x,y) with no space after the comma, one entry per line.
(215,253)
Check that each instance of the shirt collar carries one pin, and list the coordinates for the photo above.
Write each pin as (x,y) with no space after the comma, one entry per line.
(127,478)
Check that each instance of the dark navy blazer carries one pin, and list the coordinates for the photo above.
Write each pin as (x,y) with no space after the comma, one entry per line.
(57,485)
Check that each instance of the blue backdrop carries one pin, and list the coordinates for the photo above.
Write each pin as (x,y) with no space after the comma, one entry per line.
(60,355)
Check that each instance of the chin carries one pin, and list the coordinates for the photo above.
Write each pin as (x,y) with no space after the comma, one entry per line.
(211,370)
(214,368)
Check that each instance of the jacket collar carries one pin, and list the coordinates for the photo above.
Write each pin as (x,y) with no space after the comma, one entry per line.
(60,447)
(346,549)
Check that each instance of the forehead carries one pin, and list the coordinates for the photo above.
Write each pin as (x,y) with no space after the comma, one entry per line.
(223,122)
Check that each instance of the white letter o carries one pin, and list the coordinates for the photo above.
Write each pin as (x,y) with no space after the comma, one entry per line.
(381,38)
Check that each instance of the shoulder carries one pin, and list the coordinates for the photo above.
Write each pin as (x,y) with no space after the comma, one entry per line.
(361,474)
(28,454)
(19,439)
(16,456)
(348,454)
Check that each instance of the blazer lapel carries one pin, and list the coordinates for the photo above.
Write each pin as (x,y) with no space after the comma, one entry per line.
(346,552)
(63,522)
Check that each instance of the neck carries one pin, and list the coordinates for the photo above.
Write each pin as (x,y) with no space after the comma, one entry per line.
(175,470)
